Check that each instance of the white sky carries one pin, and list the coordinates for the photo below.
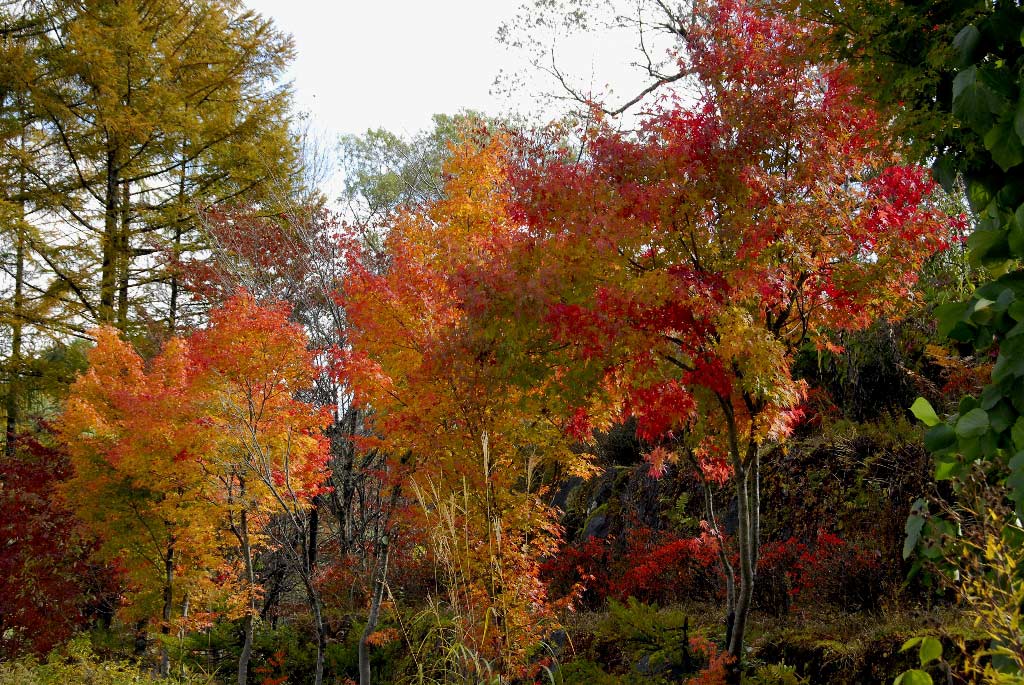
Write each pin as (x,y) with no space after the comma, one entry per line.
(364,64)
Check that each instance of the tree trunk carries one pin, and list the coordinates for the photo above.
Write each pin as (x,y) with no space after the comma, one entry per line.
(141,641)
(165,628)
(723,557)
(321,633)
(748,498)
(746,479)
(380,573)
(185,605)
(124,257)
(13,399)
(111,225)
(745,592)
(314,533)
(246,654)
(306,558)
(250,578)
(172,314)
(14,370)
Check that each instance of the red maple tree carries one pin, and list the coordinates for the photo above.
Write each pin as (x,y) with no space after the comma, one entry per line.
(673,273)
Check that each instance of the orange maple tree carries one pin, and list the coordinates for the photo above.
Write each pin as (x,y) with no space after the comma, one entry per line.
(469,446)
(135,442)
(269,456)
(171,456)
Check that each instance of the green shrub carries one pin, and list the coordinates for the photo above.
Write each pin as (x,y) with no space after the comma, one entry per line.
(77,663)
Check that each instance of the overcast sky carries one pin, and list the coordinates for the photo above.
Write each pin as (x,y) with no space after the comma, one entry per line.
(364,64)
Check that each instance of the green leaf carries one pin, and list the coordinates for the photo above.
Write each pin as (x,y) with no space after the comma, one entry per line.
(1001,417)
(1017,433)
(972,424)
(1017,396)
(945,172)
(939,438)
(989,444)
(1010,361)
(961,332)
(913,677)
(1016,330)
(1002,663)
(914,526)
(911,643)
(970,448)
(1018,216)
(922,409)
(966,42)
(1018,120)
(949,315)
(987,245)
(1005,366)
(1016,310)
(1012,348)
(946,467)
(978,194)
(984,339)
(981,310)
(915,569)
(1004,144)
(1015,481)
(1015,239)
(1005,299)
(991,396)
(931,649)
(1000,80)
(1016,462)
(967,403)
(974,101)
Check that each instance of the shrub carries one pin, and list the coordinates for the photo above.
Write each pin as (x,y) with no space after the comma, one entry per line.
(830,569)
(664,568)
(651,566)
(77,663)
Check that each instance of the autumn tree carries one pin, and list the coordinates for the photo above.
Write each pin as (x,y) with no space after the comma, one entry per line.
(297,257)
(117,122)
(270,455)
(32,297)
(148,108)
(45,569)
(673,275)
(136,444)
(180,462)
(469,446)
(384,171)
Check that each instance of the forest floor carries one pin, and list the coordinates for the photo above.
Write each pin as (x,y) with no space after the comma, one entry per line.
(636,643)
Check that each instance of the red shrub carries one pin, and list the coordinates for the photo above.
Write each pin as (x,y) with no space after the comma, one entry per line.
(579,571)
(717,670)
(650,566)
(664,568)
(831,568)
(44,569)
